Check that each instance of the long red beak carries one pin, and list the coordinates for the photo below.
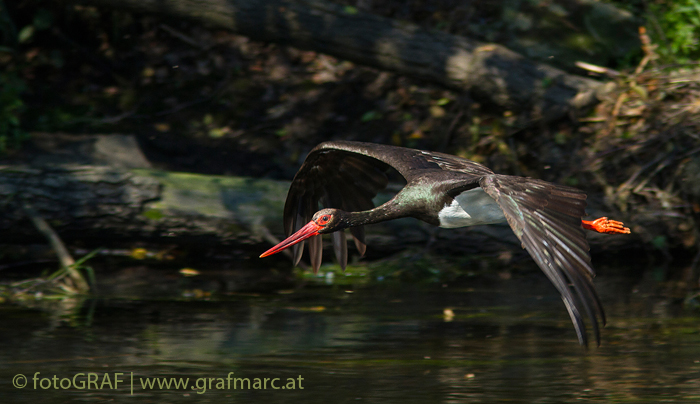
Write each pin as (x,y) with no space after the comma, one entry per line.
(311,229)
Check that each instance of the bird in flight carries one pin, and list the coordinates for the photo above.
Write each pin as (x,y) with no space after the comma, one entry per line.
(446,191)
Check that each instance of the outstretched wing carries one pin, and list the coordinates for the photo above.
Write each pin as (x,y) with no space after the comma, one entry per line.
(547,219)
(336,179)
(409,162)
(347,175)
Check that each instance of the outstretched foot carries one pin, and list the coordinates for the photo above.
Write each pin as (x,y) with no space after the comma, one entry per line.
(603,225)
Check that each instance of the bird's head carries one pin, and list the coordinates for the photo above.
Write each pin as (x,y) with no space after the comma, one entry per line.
(328,220)
(324,221)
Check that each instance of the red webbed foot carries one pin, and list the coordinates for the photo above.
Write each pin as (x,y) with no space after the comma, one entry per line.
(603,225)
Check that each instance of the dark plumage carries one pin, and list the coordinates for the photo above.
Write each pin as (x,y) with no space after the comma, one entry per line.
(447,191)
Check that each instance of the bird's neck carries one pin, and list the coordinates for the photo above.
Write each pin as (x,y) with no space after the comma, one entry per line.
(385,212)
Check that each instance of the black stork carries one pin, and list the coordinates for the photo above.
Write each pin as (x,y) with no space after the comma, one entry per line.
(449,192)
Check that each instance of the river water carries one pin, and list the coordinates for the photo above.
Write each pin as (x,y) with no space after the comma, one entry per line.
(490,341)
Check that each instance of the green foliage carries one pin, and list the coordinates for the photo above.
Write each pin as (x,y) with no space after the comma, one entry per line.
(371,116)
(679,21)
(11,85)
(43,19)
(154,214)
(417,267)
(79,267)
(11,106)
(350,10)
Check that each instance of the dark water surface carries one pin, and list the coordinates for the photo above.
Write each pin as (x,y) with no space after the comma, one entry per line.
(508,341)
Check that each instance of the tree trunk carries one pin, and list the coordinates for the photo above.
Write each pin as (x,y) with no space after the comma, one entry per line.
(489,71)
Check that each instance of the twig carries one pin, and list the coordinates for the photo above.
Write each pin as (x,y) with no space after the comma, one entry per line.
(648,48)
(64,256)
(615,112)
(597,69)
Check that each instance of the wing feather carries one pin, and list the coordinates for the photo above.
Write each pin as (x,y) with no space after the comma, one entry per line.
(340,247)
(408,162)
(547,219)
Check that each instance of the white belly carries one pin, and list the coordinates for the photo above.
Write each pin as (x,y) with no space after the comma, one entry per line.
(471,208)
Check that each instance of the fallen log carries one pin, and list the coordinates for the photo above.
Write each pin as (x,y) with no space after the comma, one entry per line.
(110,204)
(489,71)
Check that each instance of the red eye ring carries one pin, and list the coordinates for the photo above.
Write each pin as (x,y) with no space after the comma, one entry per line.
(323,220)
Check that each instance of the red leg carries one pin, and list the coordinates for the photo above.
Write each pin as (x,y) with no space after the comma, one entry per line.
(603,225)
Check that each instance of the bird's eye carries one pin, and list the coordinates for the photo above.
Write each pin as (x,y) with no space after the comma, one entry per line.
(324,219)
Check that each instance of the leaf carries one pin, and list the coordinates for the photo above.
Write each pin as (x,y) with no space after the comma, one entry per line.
(189,272)
(659,242)
(139,253)
(370,116)
(219,132)
(641,91)
(443,101)
(437,112)
(25,34)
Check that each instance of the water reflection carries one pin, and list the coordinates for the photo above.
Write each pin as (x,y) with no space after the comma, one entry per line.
(504,342)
